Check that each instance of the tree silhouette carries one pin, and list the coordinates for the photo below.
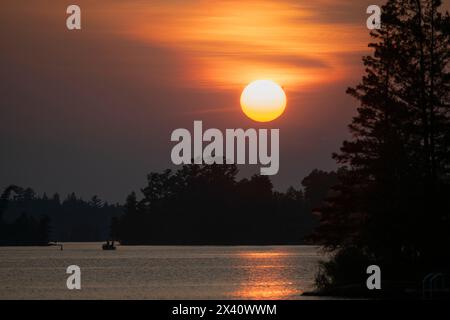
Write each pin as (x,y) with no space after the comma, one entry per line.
(206,204)
(391,205)
(318,185)
(27,219)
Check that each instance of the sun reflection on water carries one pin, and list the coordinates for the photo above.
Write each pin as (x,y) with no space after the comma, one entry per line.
(269,276)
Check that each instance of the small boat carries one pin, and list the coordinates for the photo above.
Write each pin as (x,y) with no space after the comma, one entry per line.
(109,246)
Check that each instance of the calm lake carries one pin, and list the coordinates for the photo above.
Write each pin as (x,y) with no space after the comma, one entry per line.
(159,272)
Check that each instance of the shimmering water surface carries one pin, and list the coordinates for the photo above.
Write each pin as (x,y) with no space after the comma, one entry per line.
(159,272)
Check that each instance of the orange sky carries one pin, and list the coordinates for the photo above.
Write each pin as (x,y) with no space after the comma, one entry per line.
(99,104)
(231,43)
(235,42)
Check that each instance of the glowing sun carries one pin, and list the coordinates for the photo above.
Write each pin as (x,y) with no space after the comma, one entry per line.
(263,100)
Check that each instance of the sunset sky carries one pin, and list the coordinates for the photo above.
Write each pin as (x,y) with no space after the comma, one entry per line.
(92,111)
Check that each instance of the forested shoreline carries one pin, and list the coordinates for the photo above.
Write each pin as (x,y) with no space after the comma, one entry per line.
(194,205)
(206,204)
(29,219)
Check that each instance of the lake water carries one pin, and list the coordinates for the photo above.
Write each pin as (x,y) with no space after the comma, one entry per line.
(159,272)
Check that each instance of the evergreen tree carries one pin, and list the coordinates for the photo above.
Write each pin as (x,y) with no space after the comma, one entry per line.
(390,206)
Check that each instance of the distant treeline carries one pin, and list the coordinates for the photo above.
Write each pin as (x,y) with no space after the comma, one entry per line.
(194,205)
(26,218)
(206,204)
